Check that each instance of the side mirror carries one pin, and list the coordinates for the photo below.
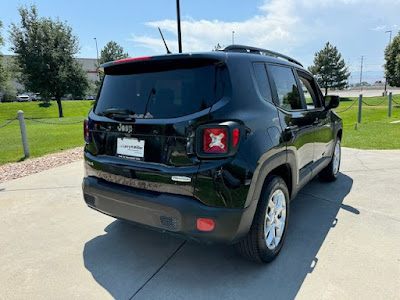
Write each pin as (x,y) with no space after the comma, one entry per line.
(331,101)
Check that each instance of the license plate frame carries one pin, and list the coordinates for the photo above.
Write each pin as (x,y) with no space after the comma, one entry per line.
(130,148)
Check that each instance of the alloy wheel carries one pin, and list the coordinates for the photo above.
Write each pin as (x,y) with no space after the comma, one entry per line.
(275,219)
(336,158)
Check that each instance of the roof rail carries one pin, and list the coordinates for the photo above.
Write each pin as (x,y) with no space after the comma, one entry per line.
(254,50)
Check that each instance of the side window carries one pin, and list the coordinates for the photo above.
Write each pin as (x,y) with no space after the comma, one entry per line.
(286,87)
(310,96)
(262,81)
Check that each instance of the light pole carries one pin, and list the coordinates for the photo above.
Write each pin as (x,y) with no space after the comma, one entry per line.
(98,64)
(233,37)
(390,41)
(97,51)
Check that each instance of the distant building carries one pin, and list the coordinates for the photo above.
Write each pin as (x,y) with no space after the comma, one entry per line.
(88,64)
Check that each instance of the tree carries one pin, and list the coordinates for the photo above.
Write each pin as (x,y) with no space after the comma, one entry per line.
(392,65)
(217,47)
(1,37)
(364,83)
(7,68)
(45,51)
(112,51)
(329,69)
(3,71)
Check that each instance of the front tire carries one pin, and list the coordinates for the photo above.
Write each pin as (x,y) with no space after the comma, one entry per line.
(331,171)
(267,233)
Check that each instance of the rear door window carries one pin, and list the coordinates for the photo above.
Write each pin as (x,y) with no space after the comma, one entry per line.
(286,88)
(173,91)
(262,81)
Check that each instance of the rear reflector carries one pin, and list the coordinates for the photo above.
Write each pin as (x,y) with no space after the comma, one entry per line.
(131,59)
(205,224)
(215,140)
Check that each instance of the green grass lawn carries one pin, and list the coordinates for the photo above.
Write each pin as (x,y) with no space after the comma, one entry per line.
(41,110)
(42,138)
(374,132)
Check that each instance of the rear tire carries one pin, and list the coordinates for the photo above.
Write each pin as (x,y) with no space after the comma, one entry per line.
(267,233)
(331,171)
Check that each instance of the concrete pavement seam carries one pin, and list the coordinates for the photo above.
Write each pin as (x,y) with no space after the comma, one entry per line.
(158,270)
(362,163)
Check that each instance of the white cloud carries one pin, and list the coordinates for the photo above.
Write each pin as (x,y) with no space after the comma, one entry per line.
(281,25)
(379,28)
(277,26)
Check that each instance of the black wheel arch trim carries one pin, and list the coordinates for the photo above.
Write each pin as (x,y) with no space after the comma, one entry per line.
(339,128)
(267,163)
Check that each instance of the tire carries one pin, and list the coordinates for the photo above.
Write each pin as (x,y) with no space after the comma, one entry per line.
(331,171)
(257,245)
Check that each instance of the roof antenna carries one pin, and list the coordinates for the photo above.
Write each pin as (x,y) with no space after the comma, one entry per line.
(178,20)
(168,52)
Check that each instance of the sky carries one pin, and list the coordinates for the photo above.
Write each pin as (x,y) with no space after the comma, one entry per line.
(298,28)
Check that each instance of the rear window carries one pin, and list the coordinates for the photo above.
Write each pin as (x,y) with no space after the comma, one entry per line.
(162,90)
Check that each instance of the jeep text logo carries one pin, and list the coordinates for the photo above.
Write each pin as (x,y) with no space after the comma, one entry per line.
(124,128)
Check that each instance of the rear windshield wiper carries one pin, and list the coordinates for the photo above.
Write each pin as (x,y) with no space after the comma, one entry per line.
(118,113)
(152,92)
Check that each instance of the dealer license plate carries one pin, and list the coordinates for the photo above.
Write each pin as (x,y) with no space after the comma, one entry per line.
(130,148)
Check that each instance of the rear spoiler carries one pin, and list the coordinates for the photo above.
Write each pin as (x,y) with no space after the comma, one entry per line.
(148,64)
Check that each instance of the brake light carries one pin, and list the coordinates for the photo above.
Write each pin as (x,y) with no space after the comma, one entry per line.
(86,131)
(215,140)
(235,137)
(131,59)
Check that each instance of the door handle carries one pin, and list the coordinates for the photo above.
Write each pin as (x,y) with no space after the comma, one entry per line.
(292,128)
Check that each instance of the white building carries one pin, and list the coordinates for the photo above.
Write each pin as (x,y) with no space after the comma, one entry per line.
(88,64)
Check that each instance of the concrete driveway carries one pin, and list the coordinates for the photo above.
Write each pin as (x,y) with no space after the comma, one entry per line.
(343,243)
(364,92)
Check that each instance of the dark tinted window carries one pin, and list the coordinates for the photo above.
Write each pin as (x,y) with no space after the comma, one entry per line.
(286,87)
(167,93)
(262,81)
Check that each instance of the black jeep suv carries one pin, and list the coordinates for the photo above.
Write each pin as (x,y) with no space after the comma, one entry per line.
(209,145)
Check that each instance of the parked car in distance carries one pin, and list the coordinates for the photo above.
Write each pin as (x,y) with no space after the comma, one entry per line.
(67,97)
(23,98)
(37,97)
(211,145)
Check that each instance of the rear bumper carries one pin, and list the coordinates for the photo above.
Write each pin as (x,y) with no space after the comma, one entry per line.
(167,212)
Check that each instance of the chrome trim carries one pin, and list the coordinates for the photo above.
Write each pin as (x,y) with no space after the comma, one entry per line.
(181,178)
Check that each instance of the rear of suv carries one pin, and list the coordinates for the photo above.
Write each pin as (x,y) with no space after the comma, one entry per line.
(209,145)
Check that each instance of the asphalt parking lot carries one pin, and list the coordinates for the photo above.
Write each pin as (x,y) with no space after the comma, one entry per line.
(343,243)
